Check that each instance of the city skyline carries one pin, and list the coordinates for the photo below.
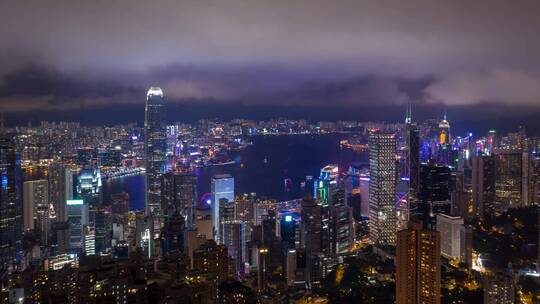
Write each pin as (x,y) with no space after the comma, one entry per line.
(233,152)
(345,56)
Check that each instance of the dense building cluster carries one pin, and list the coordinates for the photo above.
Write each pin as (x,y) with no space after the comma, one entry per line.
(426,201)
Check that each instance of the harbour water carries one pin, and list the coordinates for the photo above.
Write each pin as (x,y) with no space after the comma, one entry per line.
(262,168)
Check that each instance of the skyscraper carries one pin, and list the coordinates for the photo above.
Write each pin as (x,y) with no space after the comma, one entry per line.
(311,226)
(78,218)
(222,186)
(382,188)
(173,232)
(511,179)
(35,194)
(418,269)
(325,190)
(444,131)
(336,215)
(413,168)
(36,207)
(60,189)
(450,228)
(233,235)
(11,212)
(212,259)
(155,147)
(498,288)
(435,187)
(483,184)
(342,229)
(89,186)
(179,192)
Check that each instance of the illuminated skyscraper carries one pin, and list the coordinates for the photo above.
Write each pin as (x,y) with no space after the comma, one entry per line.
(311,225)
(288,230)
(443,151)
(325,191)
(222,186)
(78,218)
(382,188)
(511,179)
(444,131)
(411,174)
(336,215)
(491,141)
(450,228)
(36,207)
(418,269)
(155,146)
(35,194)
(483,185)
(60,189)
(11,211)
(341,219)
(89,186)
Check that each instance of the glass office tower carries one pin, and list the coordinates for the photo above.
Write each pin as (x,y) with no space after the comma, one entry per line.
(155,146)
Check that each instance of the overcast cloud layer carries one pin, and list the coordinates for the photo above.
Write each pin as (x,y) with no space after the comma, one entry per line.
(74,54)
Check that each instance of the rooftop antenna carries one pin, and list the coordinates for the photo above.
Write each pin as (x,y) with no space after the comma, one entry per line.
(408,116)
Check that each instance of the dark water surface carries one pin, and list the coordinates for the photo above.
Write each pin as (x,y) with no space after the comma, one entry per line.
(261,168)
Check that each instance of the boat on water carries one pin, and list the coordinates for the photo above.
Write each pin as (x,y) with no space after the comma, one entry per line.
(232,162)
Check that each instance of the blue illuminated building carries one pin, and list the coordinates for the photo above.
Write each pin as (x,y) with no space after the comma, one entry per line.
(222,187)
(11,213)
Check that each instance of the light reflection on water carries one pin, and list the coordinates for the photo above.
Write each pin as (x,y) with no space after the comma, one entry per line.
(287,157)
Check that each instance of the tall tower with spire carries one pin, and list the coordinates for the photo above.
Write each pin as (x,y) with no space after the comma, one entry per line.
(408,115)
(155,147)
(411,172)
(444,131)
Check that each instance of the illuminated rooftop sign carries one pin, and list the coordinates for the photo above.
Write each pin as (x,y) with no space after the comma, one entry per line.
(74,202)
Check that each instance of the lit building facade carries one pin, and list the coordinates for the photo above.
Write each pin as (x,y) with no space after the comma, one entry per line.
(512,168)
(450,229)
(483,185)
(411,172)
(78,218)
(418,266)
(35,194)
(89,186)
(311,225)
(60,189)
(11,211)
(499,288)
(382,188)
(36,207)
(155,147)
(222,187)
(234,237)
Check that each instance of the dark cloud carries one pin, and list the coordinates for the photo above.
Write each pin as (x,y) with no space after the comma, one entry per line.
(40,88)
(45,88)
(85,54)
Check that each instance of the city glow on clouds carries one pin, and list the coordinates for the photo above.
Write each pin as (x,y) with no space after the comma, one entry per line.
(347,52)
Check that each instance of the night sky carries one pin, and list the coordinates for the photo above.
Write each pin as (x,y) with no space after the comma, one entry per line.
(92,61)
